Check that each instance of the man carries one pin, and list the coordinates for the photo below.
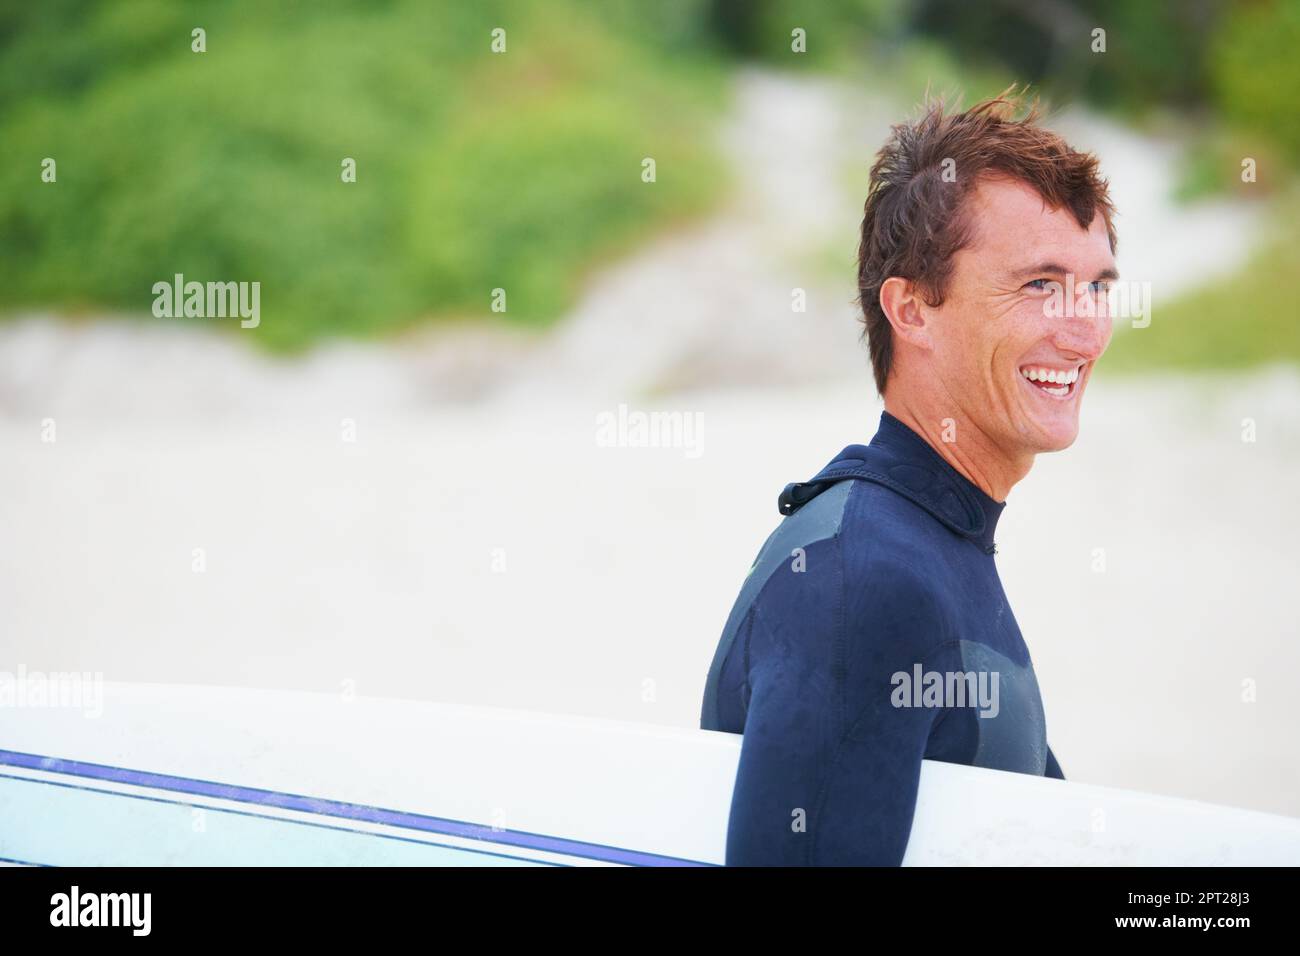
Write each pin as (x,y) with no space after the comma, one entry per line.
(881,574)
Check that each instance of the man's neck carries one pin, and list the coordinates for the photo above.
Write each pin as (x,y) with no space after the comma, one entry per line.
(961,444)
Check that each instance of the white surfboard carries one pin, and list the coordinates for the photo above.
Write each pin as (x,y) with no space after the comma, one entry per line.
(178,775)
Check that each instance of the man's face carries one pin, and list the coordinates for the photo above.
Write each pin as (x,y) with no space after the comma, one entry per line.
(1014,345)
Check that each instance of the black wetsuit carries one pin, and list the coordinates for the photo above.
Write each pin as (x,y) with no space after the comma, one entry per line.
(882,566)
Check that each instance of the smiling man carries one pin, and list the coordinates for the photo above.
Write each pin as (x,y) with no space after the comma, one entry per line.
(881,574)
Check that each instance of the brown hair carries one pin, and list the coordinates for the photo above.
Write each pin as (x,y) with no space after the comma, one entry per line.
(912,224)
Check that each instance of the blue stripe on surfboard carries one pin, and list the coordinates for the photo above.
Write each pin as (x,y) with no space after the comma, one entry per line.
(146,830)
(337,809)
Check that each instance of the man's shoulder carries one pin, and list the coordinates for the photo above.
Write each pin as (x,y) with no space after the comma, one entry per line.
(892,553)
(871,524)
(873,534)
(882,531)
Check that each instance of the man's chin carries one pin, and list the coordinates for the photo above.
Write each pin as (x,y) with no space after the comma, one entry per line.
(1048,421)
(1048,436)
(1063,442)
(1046,430)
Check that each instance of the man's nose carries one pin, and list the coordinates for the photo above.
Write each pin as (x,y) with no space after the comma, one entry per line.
(1087,331)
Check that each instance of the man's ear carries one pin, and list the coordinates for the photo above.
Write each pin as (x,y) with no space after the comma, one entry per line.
(906,311)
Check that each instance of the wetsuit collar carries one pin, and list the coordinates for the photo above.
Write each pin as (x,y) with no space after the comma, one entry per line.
(978,517)
(901,460)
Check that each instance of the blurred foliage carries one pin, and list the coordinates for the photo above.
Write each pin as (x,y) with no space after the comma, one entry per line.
(1256,70)
(1229,65)
(835,31)
(1211,165)
(1245,320)
(1155,52)
(520,171)
(474,170)
(1200,56)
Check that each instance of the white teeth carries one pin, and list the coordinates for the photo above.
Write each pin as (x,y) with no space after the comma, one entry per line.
(1056,376)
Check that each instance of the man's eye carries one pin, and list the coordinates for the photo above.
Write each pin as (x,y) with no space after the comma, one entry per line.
(1101,286)
(1039,284)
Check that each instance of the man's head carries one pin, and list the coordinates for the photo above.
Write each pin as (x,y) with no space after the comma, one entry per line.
(976,227)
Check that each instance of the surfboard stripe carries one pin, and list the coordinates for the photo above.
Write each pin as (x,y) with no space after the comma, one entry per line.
(338,810)
(96,825)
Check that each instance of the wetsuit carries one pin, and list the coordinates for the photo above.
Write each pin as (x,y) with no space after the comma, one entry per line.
(882,566)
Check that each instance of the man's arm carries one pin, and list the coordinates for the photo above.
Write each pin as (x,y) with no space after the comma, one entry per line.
(829,766)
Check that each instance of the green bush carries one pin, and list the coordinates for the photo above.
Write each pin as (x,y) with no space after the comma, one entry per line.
(474,170)
(835,32)
(1256,71)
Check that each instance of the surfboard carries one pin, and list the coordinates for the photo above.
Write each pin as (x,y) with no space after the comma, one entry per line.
(155,774)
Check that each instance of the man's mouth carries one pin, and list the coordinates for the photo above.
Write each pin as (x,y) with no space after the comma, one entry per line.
(1057,382)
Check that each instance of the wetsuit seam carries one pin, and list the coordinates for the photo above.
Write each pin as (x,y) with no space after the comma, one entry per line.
(746,692)
(839,677)
(751,616)
(839,648)
(962,660)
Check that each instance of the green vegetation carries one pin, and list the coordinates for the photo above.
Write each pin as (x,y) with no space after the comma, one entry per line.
(1230,67)
(522,170)
(1246,320)
(835,33)
(475,170)
(1256,71)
